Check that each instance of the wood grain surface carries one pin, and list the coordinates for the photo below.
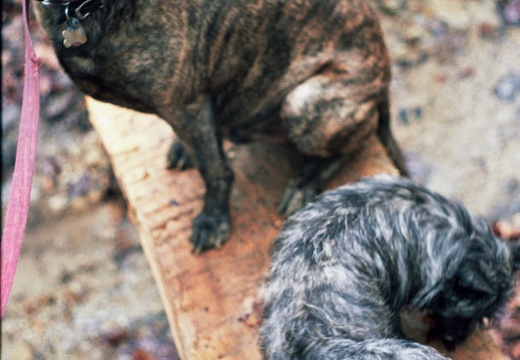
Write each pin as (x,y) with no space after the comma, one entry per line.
(212,300)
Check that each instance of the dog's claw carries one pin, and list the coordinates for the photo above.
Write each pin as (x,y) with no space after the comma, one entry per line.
(296,196)
(177,157)
(308,183)
(209,231)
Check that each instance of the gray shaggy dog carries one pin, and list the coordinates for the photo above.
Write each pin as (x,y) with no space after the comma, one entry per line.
(345,265)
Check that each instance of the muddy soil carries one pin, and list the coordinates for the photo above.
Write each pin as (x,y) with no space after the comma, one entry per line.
(83,289)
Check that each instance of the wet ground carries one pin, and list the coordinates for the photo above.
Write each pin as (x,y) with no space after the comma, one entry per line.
(83,287)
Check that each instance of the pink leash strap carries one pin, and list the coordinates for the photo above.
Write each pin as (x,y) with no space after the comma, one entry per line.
(18,206)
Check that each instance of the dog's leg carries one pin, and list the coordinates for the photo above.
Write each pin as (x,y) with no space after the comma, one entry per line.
(200,144)
(333,113)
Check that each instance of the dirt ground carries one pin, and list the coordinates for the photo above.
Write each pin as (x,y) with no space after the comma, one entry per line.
(83,289)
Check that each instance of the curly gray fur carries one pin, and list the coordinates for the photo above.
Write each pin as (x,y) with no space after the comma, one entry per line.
(345,265)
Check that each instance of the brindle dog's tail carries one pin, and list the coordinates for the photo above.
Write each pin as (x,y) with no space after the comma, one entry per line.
(384,132)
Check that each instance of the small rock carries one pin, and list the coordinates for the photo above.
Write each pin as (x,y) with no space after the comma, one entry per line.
(252,316)
(419,169)
(79,203)
(115,337)
(391,7)
(509,11)
(140,354)
(58,203)
(59,105)
(406,57)
(409,115)
(11,113)
(48,166)
(22,351)
(488,31)
(465,73)
(414,34)
(95,196)
(440,78)
(80,187)
(95,157)
(46,184)
(438,27)
(449,44)
(508,87)
(452,12)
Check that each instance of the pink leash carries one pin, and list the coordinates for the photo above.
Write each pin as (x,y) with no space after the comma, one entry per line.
(18,207)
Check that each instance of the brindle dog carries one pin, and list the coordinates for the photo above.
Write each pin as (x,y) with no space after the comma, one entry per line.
(312,72)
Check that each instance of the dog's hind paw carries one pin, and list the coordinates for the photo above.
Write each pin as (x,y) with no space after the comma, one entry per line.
(209,231)
(296,196)
(307,183)
(177,157)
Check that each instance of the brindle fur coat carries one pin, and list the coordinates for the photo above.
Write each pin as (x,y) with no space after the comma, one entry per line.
(312,72)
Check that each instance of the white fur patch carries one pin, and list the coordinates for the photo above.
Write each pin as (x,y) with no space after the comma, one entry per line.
(304,94)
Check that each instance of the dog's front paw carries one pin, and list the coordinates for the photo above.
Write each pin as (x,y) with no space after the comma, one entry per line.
(177,157)
(209,231)
(296,196)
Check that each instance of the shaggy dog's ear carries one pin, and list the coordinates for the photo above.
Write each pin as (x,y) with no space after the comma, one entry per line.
(515,254)
(472,285)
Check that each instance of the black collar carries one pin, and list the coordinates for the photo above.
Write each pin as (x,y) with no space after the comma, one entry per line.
(78,9)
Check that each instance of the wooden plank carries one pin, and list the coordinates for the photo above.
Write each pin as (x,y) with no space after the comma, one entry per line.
(210,300)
